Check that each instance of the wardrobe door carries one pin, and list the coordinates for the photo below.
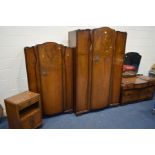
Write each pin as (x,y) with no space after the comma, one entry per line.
(31,65)
(103,49)
(82,71)
(68,79)
(80,40)
(117,67)
(51,79)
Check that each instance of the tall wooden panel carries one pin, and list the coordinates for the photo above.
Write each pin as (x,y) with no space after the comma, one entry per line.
(117,67)
(103,49)
(68,75)
(31,65)
(51,79)
(80,40)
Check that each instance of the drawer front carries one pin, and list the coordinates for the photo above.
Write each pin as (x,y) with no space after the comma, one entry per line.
(33,121)
(135,86)
(137,91)
(138,95)
(128,99)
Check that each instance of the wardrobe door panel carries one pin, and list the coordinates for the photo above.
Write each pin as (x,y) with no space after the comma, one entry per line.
(51,79)
(117,67)
(82,84)
(31,64)
(68,75)
(103,47)
(82,71)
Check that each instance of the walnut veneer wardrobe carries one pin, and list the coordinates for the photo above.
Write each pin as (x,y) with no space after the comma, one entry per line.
(98,59)
(50,73)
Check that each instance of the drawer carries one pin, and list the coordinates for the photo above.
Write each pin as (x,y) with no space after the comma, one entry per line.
(137,91)
(32,121)
(131,96)
(135,86)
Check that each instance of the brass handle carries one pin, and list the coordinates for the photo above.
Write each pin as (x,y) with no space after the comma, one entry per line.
(31,122)
(44,73)
(96,58)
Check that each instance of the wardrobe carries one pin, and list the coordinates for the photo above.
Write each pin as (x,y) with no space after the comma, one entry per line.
(83,77)
(50,73)
(98,56)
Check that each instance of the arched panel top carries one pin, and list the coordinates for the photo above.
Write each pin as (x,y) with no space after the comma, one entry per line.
(103,40)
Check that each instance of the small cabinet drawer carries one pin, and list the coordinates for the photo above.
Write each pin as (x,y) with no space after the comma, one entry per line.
(129,96)
(137,91)
(32,121)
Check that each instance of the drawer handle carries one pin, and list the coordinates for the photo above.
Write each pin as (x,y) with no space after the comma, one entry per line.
(31,122)
(96,58)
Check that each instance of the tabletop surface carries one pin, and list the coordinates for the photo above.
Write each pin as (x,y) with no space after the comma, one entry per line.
(22,97)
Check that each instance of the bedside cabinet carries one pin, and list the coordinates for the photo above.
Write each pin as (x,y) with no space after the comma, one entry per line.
(24,110)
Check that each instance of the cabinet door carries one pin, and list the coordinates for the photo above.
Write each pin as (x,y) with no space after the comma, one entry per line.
(117,67)
(82,71)
(103,48)
(68,79)
(31,65)
(51,79)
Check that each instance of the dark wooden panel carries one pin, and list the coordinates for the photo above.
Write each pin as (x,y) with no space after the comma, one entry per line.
(103,47)
(51,77)
(118,59)
(82,71)
(80,41)
(68,75)
(31,63)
